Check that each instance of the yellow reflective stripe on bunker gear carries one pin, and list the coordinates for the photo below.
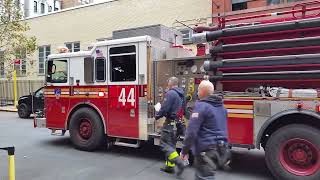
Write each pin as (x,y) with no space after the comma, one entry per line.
(173,155)
(170,164)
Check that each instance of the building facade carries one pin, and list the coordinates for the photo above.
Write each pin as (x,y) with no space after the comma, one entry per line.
(39,7)
(78,27)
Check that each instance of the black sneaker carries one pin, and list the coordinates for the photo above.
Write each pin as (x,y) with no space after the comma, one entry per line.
(167,169)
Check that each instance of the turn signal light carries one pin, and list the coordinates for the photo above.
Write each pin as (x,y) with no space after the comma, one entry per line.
(318,108)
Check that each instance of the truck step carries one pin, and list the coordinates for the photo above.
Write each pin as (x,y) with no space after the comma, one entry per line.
(118,142)
(57,132)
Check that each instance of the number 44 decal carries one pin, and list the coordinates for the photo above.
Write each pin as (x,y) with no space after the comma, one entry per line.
(122,98)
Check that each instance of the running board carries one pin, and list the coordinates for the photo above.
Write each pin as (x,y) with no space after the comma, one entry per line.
(125,144)
(55,133)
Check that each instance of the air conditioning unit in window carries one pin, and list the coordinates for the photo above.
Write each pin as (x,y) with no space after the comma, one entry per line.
(85,1)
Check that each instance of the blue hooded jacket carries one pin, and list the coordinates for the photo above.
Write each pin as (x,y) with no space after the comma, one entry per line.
(173,102)
(207,125)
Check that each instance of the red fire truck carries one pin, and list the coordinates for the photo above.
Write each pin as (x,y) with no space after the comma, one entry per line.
(268,73)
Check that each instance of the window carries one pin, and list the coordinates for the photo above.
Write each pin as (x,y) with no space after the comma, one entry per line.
(272,2)
(1,65)
(39,93)
(239,6)
(186,36)
(20,62)
(44,52)
(20,67)
(57,71)
(55,5)
(123,63)
(73,46)
(49,8)
(35,6)
(100,68)
(290,1)
(42,8)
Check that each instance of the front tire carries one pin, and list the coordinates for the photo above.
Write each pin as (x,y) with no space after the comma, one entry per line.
(86,130)
(23,111)
(293,153)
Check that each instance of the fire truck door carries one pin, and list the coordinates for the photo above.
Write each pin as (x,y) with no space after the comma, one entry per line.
(56,100)
(123,118)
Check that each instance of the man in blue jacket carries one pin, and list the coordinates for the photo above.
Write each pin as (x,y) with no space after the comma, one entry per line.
(172,109)
(207,134)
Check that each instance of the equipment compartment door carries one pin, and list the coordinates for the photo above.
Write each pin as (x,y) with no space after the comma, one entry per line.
(240,121)
(123,116)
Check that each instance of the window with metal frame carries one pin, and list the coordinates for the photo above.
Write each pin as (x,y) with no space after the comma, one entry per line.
(20,63)
(238,5)
(73,46)
(100,69)
(44,52)
(42,8)
(35,6)
(123,63)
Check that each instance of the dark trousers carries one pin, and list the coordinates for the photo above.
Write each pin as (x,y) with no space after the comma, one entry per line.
(207,162)
(168,141)
(206,165)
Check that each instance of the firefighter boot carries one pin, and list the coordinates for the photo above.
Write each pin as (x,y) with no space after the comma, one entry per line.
(180,165)
(168,167)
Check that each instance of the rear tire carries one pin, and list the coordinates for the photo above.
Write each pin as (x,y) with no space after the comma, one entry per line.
(293,153)
(23,111)
(86,130)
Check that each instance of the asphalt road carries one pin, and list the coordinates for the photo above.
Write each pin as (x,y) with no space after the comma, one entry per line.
(40,156)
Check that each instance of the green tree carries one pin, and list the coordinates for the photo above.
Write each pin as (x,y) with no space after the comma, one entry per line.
(14,43)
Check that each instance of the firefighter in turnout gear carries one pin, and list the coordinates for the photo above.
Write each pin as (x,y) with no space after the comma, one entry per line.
(172,109)
(207,134)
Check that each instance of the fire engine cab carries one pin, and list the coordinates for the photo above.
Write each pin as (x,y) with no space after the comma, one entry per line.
(268,73)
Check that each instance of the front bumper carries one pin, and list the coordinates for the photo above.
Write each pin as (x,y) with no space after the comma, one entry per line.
(40,122)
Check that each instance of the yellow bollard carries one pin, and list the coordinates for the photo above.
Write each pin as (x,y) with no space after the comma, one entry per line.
(11,164)
(12,168)
(15,88)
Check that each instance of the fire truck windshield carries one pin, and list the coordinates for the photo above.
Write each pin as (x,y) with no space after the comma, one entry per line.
(57,71)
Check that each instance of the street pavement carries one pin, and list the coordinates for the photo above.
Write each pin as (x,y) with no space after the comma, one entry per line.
(40,156)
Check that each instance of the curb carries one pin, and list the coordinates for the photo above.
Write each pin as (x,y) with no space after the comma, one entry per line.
(8,110)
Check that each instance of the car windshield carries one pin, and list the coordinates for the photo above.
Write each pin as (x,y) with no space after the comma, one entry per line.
(39,93)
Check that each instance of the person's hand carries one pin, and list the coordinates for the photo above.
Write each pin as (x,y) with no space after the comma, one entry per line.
(184,157)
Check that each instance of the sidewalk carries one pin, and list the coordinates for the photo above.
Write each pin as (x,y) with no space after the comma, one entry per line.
(8,108)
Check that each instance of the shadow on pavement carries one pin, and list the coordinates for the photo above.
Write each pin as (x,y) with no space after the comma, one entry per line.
(243,162)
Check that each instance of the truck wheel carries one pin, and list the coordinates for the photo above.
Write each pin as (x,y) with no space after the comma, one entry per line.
(293,153)
(23,111)
(86,130)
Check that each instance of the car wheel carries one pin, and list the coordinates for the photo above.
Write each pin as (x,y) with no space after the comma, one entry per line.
(23,111)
